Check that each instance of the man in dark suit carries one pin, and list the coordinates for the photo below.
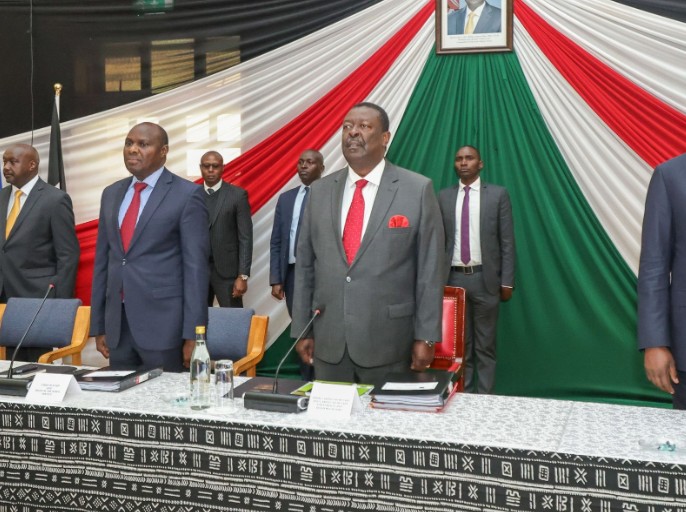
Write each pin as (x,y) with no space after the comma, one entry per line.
(287,218)
(477,17)
(480,257)
(662,281)
(370,257)
(39,244)
(230,234)
(150,275)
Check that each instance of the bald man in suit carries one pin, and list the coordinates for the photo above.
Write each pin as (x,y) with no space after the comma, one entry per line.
(39,244)
(150,276)
(370,256)
(662,281)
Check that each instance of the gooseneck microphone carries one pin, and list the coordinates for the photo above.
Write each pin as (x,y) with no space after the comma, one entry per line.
(275,387)
(19,387)
(274,401)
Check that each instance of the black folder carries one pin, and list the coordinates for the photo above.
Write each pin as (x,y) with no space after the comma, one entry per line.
(102,380)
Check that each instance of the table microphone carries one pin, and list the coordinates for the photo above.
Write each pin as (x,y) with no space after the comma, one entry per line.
(19,387)
(274,401)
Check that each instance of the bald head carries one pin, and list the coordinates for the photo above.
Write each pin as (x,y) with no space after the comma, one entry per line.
(20,164)
(145,149)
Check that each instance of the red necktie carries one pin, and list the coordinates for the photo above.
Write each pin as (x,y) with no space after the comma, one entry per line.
(128,225)
(352,232)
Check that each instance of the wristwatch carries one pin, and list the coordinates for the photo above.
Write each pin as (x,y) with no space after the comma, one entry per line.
(430,343)
(243,277)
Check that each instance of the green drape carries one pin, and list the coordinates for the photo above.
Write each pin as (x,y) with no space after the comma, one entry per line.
(569,331)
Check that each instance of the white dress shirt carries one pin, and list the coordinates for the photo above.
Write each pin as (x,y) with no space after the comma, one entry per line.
(368,193)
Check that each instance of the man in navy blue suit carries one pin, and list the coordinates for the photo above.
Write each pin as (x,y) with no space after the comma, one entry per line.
(662,281)
(287,216)
(485,19)
(150,279)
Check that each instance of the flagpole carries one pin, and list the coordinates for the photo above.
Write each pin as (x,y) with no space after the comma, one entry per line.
(55,162)
(58,91)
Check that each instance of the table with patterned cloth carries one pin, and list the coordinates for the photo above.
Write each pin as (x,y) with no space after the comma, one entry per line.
(139,450)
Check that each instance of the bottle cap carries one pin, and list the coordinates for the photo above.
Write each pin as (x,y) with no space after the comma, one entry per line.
(200,329)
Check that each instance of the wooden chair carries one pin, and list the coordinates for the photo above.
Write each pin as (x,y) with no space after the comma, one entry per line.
(450,352)
(62,326)
(237,334)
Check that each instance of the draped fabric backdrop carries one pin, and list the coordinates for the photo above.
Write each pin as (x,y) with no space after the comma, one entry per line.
(571,122)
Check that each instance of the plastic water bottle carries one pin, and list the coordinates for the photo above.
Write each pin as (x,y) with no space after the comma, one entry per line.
(200,372)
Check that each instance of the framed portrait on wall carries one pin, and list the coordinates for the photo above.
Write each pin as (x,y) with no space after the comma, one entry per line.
(473,26)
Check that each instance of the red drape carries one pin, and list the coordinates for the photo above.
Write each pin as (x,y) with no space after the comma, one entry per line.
(651,128)
(267,167)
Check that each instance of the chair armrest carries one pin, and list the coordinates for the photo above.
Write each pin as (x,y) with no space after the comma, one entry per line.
(257,339)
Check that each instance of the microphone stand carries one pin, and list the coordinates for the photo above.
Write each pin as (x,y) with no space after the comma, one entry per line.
(19,387)
(274,401)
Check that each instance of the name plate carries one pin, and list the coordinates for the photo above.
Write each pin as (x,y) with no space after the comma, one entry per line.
(52,388)
(333,401)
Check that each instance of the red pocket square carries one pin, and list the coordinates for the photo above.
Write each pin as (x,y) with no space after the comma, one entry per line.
(398,221)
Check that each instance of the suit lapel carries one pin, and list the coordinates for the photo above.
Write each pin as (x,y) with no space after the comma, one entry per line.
(31,201)
(114,219)
(4,203)
(384,198)
(336,205)
(158,192)
(483,204)
(450,217)
(221,199)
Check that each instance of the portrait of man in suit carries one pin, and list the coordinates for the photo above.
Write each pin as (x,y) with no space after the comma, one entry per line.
(150,276)
(477,17)
(480,257)
(39,244)
(662,281)
(230,234)
(370,258)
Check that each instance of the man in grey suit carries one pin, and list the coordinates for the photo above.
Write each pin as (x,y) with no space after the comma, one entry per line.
(39,244)
(662,281)
(485,19)
(150,275)
(480,257)
(230,234)
(370,259)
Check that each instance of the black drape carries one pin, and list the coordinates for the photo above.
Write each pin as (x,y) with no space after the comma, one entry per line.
(70,38)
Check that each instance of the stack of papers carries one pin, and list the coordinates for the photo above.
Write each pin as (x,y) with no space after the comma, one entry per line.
(416,391)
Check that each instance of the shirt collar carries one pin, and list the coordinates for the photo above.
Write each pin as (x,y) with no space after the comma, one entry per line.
(215,187)
(151,180)
(27,188)
(373,177)
(474,186)
(478,10)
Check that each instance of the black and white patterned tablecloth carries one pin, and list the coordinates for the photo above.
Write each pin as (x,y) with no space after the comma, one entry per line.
(137,452)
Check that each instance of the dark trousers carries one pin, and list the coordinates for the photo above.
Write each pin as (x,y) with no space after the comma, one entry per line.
(128,355)
(306,370)
(679,396)
(347,371)
(481,319)
(222,288)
